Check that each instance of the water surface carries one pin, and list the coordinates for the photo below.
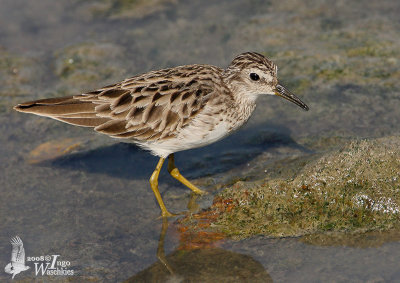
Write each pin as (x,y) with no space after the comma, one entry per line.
(94,206)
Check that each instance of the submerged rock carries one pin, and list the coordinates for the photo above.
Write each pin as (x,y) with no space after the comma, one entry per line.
(208,265)
(16,74)
(355,188)
(52,149)
(87,65)
(122,9)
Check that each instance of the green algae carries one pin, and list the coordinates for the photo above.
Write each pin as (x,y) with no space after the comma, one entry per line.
(355,188)
(16,76)
(16,73)
(343,67)
(358,240)
(87,64)
(383,49)
(121,9)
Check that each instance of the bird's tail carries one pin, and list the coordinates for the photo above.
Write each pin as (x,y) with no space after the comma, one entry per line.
(70,109)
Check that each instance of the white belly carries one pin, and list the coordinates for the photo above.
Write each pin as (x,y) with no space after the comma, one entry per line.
(197,134)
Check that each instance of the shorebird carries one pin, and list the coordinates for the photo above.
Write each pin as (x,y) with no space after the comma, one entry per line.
(172,109)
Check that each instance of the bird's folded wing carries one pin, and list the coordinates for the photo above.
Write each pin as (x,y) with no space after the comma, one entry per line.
(149,107)
(18,251)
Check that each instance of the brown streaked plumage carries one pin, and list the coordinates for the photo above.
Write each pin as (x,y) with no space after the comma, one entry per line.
(172,109)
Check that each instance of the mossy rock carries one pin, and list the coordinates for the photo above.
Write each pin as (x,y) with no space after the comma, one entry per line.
(355,188)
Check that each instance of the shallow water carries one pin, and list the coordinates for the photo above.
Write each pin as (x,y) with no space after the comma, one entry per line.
(93,206)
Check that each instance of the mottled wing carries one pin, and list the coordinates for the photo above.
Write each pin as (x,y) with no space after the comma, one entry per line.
(18,251)
(155,105)
(148,107)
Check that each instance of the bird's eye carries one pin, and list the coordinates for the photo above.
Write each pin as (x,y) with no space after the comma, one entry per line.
(254,76)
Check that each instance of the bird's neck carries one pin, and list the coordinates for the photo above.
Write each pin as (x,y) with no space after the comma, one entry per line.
(242,97)
(245,103)
(244,107)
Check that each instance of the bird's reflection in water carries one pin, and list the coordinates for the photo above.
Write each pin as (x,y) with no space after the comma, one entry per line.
(201,265)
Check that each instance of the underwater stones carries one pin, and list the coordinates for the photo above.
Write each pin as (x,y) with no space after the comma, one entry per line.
(83,66)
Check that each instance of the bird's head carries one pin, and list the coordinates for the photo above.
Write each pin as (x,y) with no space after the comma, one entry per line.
(251,74)
(9,268)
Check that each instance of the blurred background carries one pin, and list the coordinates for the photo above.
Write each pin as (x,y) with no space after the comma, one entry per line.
(66,190)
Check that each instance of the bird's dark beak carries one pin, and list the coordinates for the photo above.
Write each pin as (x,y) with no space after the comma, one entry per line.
(283,92)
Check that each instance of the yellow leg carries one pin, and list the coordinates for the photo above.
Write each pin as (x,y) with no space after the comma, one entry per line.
(175,173)
(154,187)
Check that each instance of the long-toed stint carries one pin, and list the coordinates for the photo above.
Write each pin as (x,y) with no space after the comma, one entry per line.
(173,109)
